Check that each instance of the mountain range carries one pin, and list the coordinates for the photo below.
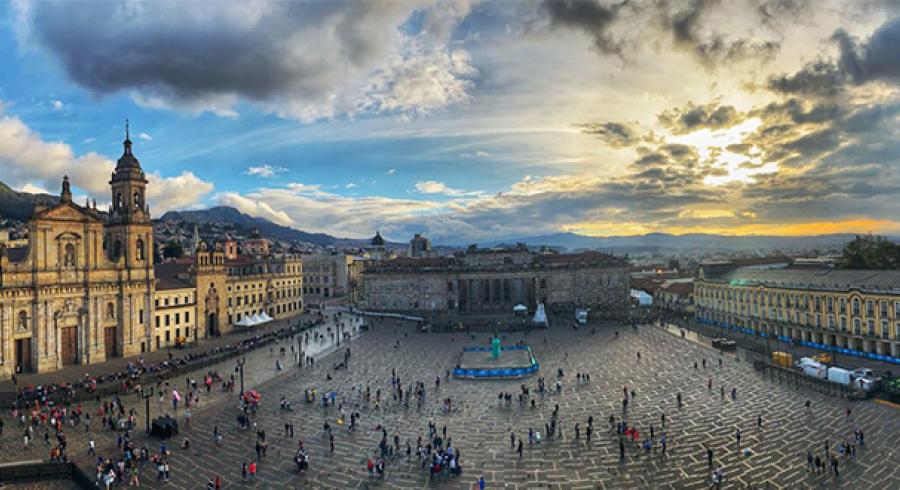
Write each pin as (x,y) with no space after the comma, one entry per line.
(653,242)
(20,205)
(227,214)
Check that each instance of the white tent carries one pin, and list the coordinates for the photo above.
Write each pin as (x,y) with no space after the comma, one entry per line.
(265,317)
(245,322)
(256,319)
(540,316)
(520,308)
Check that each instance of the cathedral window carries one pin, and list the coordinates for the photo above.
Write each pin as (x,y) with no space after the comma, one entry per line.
(139,249)
(110,311)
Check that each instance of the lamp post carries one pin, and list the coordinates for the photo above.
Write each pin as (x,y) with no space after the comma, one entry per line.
(239,366)
(146,394)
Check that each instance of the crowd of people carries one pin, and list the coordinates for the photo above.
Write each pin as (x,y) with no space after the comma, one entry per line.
(130,378)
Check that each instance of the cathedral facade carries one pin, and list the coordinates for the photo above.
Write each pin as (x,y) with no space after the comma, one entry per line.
(82,290)
(85,288)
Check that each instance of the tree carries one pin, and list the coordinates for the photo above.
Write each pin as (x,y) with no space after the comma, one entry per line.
(870,252)
(173,250)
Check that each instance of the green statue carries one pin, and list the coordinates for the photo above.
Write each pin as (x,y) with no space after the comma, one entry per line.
(495,348)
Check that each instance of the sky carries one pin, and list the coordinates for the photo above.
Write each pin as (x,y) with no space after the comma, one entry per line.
(468,121)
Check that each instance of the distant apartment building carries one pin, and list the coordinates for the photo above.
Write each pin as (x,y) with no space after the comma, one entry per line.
(419,246)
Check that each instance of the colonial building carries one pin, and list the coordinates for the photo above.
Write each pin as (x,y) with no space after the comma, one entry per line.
(174,311)
(85,288)
(496,280)
(82,290)
(270,284)
(326,275)
(856,312)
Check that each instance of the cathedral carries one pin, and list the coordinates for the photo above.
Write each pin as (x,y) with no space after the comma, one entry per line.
(85,288)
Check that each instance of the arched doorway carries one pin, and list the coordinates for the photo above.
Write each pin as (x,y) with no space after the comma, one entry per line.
(212,309)
(212,327)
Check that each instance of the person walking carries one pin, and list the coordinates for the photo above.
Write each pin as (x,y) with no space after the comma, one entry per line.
(709,455)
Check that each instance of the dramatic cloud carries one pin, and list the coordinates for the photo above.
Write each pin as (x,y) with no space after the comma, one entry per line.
(592,17)
(695,26)
(819,78)
(28,162)
(302,60)
(876,59)
(254,207)
(613,134)
(307,207)
(694,117)
(181,191)
(434,187)
(265,170)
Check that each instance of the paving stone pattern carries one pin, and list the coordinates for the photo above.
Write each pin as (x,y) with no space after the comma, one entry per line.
(480,428)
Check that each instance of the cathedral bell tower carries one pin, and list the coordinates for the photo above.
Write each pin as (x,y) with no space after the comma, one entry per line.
(128,242)
(129,234)
(128,188)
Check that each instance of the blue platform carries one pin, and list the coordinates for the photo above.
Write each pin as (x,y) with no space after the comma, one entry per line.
(499,373)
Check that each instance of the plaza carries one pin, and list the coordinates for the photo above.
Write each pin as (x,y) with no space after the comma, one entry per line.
(480,426)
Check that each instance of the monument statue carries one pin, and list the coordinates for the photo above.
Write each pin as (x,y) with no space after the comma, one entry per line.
(495,348)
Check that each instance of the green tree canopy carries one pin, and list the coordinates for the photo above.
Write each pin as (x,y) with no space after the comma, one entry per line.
(173,250)
(870,252)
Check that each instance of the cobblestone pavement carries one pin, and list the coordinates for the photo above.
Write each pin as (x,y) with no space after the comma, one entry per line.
(480,428)
(259,368)
(74,371)
(43,485)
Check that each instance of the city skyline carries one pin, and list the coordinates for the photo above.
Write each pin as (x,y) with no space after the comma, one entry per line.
(468,119)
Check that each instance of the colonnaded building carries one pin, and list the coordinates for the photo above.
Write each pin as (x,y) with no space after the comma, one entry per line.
(496,280)
(85,288)
(855,312)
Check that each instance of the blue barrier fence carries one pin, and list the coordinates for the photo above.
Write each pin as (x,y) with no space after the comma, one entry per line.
(806,343)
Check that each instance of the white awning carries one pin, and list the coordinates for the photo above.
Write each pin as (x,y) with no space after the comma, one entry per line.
(520,308)
(245,322)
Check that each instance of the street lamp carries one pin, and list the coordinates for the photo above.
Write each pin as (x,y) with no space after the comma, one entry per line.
(239,366)
(146,394)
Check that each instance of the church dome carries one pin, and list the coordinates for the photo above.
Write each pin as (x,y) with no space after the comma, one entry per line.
(377,241)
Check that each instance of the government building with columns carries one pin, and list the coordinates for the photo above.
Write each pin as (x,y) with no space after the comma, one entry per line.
(496,280)
(85,288)
(853,312)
